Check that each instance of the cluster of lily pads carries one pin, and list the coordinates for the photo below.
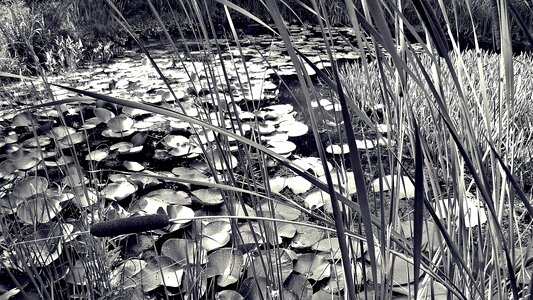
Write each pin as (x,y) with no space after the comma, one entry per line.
(50,190)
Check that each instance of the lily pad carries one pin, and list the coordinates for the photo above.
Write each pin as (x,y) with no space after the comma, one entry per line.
(184,252)
(282,147)
(473,210)
(38,210)
(338,149)
(25,118)
(61,132)
(97,155)
(228,295)
(226,263)
(298,184)
(211,196)
(30,186)
(406,187)
(175,141)
(299,285)
(278,259)
(280,209)
(168,197)
(119,190)
(313,266)
(159,271)
(306,236)
(181,212)
(216,157)
(293,128)
(317,199)
(124,273)
(84,197)
(133,166)
(314,164)
(103,115)
(120,123)
(215,235)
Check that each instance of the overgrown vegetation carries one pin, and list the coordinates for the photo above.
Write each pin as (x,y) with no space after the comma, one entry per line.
(415,188)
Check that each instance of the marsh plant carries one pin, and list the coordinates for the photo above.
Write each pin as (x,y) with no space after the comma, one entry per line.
(411,185)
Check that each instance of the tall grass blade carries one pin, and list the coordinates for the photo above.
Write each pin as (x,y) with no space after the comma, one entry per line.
(418,214)
(339,223)
(355,160)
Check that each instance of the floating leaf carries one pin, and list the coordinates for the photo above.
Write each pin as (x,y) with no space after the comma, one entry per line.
(336,281)
(72,139)
(278,259)
(175,141)
(183,150)
(122,147)
(293,128)
(144,181)
(6,169)
(184,252)
(61,132)
(30,186)
(312,266)
(306,236)
(228,295)
(133,166)
(103,115)
(38,210)
(216,157)
(331,246)
(402,272)
(119,190)
(84,197)
(210,196)
(406,187)
(215,235)
(344,180)
(226,263)
(473,210)
(280,209)
(9,203)
(248,238)
(39,141)
(120,123)
(298,184)
(42,247)
(97,155)
(299,285)
(338,149)
(112,134)
(190,174)
(161,270)
(283,147)
(317,199)
(277,184)
(123,275)
(25,118)
(430,233)
(168,196)
(181,212)
(255,288)
(78,273)
(26,162)
(314,164)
